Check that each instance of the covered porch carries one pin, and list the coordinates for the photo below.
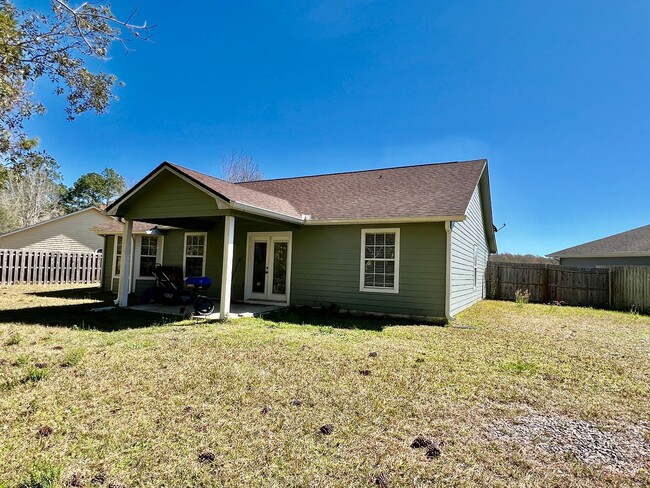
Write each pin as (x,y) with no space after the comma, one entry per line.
(245,250)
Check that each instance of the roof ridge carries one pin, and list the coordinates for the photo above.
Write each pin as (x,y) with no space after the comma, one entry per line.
(482,160)
(600,239)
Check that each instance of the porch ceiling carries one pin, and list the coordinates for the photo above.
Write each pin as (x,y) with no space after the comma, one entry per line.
(207,223)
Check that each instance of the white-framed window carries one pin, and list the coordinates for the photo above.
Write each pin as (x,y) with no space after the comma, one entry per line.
(196,245)
(117,257)
(148,253)
(475,266)
(379,260)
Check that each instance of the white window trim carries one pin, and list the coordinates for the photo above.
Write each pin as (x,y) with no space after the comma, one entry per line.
(362,261)
(248,279)
(138,249)
(205,250)
(115,247)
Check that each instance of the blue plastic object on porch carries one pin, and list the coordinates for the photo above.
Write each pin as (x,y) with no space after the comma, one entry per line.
(199,282)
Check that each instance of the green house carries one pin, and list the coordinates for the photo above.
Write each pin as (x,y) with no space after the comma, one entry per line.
(408,241)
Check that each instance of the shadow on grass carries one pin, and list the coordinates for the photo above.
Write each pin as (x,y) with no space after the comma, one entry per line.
(332,318)
(80,316)
(86,293)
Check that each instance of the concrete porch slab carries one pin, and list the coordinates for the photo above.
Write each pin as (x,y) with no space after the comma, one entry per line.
(237,310)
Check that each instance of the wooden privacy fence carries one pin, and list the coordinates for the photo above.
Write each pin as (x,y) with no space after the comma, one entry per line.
(630,288)
(618,287)
(48,267)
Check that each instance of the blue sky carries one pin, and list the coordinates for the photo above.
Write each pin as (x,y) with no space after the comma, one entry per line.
(556,94)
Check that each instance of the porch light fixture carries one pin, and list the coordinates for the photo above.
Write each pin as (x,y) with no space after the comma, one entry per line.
(155,232)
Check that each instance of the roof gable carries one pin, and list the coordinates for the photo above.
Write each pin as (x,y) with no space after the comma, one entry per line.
(222,191)
(632,242)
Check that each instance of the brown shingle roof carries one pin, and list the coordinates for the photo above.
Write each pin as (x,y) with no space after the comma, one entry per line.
(240,194)
(635,241)
(115,226)
(429,190)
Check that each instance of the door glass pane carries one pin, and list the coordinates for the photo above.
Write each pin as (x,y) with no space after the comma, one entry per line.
(280,268)
(259,267)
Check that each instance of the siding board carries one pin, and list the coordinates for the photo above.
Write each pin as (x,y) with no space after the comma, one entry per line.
(464,236)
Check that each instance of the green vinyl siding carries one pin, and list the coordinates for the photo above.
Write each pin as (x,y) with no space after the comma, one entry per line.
(326,270)
(325,266)
(168,196)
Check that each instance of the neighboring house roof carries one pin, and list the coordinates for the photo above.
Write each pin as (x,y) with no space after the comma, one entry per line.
(61,217)
(635,242)
(428,190)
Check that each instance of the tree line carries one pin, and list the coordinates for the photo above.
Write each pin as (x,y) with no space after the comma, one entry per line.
(32,191)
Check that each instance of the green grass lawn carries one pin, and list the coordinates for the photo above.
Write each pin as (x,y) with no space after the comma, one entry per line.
(512,395)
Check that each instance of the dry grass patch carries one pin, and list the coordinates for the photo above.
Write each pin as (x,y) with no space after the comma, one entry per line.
(244,403)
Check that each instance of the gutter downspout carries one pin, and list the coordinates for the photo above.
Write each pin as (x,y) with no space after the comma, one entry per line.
(448,274)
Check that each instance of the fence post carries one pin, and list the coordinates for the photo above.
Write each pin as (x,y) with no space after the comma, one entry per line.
(609,286)
(545,286)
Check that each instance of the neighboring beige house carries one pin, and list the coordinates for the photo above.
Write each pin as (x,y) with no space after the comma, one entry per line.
(71,232)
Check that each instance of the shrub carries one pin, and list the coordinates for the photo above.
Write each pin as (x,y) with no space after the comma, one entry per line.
(73,357)
(522,297)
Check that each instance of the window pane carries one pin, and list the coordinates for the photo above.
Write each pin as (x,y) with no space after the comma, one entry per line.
(379,239)
(390,239)
(379,252)
(259,267)
(370,266)
(280,268)
(118,264)
(379,266)
(193,266)
(389,281)
(390,267)
(369,280)
(379,280)
(370,239)
(147,264)
(389,252)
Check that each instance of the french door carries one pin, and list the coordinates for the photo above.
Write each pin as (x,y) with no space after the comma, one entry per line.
(268,266)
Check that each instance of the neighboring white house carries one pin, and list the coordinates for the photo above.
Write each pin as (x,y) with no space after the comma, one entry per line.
(71,232)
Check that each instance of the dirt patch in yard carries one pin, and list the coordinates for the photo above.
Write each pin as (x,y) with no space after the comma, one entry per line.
(624,451)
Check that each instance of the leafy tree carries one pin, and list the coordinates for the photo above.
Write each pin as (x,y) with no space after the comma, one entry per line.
(54,44)
(30,192)
(240,167)
(94,190)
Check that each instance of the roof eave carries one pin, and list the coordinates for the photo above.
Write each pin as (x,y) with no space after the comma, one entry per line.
(387,220)
(632,254)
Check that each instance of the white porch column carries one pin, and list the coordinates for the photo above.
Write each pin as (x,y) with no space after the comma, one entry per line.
(226,273)
(125,268)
